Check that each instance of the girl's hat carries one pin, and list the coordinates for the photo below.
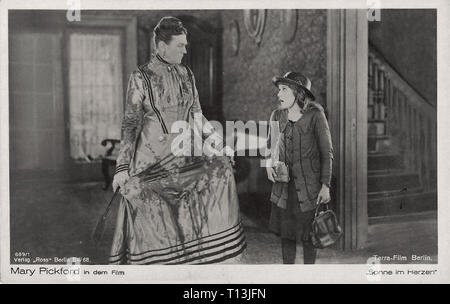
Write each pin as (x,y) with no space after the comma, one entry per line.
(299,80)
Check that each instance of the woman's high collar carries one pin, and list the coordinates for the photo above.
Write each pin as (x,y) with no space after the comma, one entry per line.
(159,57)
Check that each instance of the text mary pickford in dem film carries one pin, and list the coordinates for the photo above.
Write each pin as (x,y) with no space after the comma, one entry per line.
(71,272)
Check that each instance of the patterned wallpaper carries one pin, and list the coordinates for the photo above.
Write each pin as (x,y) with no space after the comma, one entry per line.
(247,87)
(147,21)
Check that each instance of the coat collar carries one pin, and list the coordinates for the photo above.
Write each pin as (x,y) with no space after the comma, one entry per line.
(304,121)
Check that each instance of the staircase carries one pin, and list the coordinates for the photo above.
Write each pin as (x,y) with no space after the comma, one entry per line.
(401,144)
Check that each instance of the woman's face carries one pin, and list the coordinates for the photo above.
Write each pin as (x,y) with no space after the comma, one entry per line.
(286,96)
(175,50)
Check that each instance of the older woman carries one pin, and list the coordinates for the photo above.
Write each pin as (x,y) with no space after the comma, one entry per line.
(175,209)
(305,147)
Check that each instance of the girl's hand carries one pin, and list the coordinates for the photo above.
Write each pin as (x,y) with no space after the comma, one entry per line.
(324,195)
(271,174)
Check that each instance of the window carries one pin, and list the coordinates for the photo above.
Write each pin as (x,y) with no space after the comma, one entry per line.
(95,92)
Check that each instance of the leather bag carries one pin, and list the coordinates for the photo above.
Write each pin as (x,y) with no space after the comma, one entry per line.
(325,230)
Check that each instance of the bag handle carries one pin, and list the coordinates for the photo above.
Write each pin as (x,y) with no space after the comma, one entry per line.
(318,208)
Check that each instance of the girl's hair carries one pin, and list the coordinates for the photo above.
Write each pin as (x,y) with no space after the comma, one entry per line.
(300,96)
(166,28)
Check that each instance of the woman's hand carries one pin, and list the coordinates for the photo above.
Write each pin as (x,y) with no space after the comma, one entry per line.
(119,180)
(227,151)
(271,174)
(324,195)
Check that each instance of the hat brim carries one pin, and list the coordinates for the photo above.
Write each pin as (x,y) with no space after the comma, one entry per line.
(277,80)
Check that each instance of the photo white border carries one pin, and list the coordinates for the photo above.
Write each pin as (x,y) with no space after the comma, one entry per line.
(240,273)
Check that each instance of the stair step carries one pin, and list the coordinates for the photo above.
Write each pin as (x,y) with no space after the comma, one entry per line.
(393,193)
(404,218)
(402,204)
(385,172)
(380,144)
(376,127)
(379,137)
(384,162)
(376,153)
(392,182)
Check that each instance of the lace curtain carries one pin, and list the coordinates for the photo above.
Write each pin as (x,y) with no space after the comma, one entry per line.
(95,92)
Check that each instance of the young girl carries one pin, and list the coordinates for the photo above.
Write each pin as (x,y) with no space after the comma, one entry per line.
(304,145)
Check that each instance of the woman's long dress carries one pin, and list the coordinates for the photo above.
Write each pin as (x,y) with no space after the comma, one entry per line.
(175,209)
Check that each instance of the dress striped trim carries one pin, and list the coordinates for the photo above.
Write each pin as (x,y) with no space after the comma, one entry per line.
(152,101)
(121,168)
(202,239)
(161,172)
(210,249)
(191,79)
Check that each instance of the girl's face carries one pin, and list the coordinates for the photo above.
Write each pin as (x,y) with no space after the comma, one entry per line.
(286,96)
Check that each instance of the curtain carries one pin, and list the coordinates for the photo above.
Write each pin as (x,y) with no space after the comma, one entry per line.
(95,92)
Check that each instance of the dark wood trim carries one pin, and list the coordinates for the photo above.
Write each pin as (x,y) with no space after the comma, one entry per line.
(218,89)
(347,102)
(334,95)
(362,38)
(65,83)
(33,20)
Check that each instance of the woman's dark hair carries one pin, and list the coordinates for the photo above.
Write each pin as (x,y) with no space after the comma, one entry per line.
(166,28)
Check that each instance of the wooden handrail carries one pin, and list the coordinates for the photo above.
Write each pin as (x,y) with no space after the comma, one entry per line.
(413,97)
(409,118)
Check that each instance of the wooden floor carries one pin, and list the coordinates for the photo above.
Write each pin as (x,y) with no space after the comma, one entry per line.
(399,239)
(56,220)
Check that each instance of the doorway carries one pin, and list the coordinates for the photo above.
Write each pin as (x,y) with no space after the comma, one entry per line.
(203,56)
(347,53)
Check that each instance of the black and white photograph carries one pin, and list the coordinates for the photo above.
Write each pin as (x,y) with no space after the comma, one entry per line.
(220,136)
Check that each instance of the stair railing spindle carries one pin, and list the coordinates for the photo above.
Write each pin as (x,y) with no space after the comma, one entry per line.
(428,154)
(422,156)
(416,142)
(409,156)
